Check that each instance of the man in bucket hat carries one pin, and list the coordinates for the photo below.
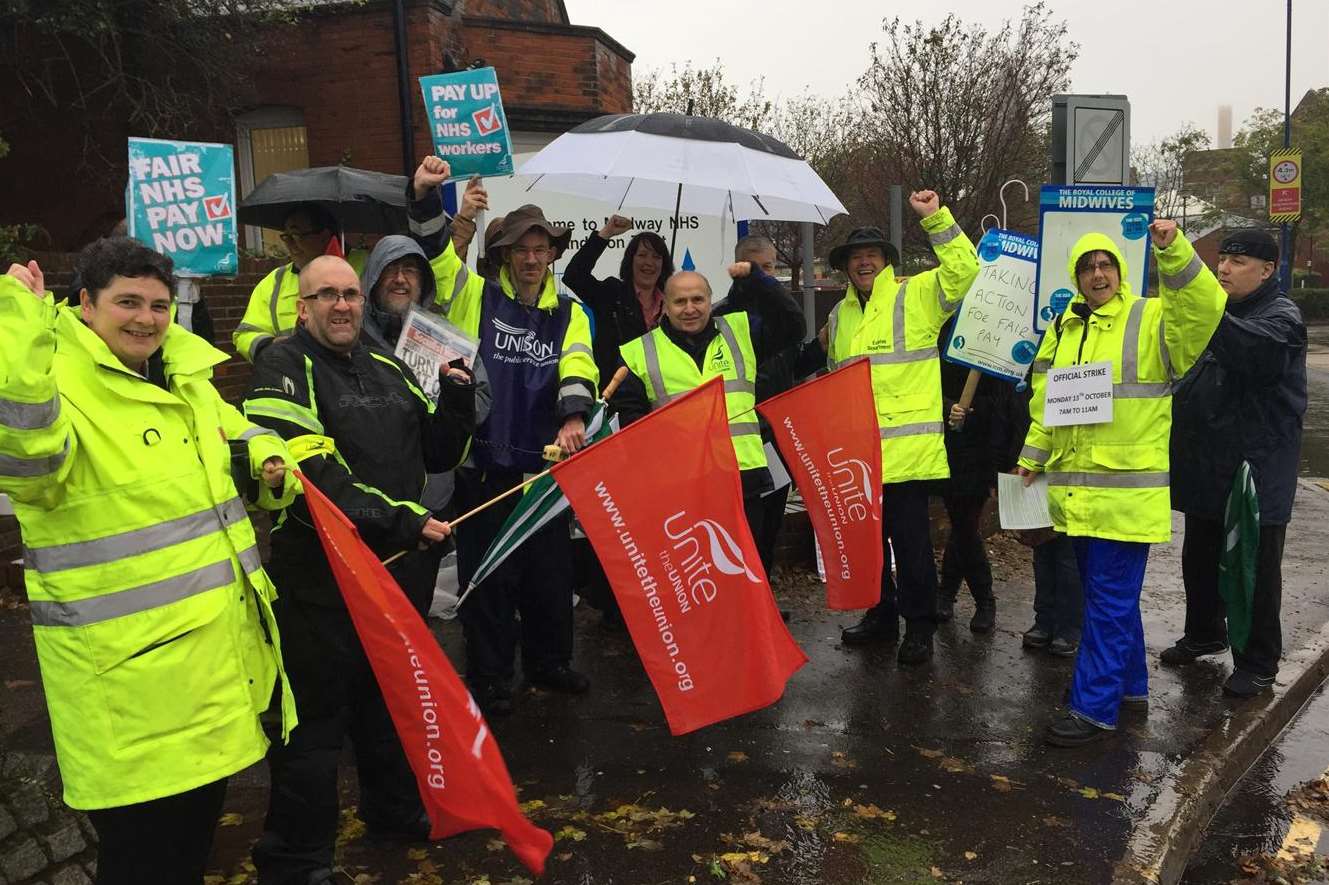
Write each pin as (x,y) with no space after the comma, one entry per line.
(535,346)
(895,324)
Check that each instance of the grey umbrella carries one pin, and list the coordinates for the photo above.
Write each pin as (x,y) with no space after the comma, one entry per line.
(362,201)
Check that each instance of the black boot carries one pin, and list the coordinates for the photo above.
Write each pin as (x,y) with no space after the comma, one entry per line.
(1072,731)
(916,648)
(945,605)
(985,614)
(880,623)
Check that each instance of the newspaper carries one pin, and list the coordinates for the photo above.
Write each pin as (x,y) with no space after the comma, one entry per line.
(427,342)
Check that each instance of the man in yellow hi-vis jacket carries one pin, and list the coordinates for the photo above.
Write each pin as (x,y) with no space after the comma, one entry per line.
(151,611)
(1108,480)
(895,325)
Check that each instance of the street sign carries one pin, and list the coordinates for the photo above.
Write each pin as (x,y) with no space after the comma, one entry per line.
(1285,185)
(1091,139)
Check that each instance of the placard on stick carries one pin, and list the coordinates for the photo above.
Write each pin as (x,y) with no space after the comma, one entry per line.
(467,123)
(180,201)
(994,329)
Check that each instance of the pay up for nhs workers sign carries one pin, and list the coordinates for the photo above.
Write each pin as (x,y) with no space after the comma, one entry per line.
(994,331)
(467,123)
(180,202)
(1067,213)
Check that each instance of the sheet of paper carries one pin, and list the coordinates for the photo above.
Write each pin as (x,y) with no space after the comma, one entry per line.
(779,476)
(1080,394)
(1023,507)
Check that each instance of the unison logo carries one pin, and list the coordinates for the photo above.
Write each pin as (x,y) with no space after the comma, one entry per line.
(515,339)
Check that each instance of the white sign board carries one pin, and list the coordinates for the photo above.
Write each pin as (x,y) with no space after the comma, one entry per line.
(994,329)
(1065,214)
(704,244)
(428,343)
(1078,395)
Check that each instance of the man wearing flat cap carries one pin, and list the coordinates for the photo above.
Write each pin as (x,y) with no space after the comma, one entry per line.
(535,346)
(1241,404)
(895,324)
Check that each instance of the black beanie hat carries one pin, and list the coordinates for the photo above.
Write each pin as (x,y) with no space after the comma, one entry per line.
(1250,241)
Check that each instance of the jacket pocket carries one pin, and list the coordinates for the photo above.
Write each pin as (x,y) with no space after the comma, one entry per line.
(1127,457)
(905,405)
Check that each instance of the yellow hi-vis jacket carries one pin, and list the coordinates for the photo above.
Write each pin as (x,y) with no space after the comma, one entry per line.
(1110,480)
(667,372)
(897,330)
(150,609)
(271,308)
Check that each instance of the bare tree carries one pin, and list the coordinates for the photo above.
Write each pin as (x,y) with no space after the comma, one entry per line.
(705,91)
(960,109)
(1160,165)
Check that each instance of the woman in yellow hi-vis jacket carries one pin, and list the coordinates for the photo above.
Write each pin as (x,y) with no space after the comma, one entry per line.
(1108,481)
(150,608)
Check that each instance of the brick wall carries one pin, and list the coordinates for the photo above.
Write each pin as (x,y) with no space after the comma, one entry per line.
(519,10)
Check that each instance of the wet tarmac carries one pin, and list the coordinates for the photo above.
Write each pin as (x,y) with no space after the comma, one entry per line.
(1256,818)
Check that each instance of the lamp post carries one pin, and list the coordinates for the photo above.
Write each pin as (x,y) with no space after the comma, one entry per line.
(1285,250)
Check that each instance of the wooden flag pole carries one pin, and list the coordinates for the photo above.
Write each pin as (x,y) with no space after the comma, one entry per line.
(967,395)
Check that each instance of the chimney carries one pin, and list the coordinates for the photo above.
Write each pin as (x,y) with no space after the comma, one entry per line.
(1224,126)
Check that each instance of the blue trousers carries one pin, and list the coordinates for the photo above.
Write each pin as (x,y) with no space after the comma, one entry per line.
(1111,663)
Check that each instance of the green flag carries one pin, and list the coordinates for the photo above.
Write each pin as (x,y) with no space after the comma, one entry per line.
(1241,546)
(541,502)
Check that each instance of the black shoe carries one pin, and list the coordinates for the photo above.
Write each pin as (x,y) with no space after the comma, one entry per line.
(413,831)
(985,616)
(493,697)
(1063,648)
(945,607)
(562,678)
(874,627)
(1187,651)
(1244,684)
(916,649)
(1072,731)
(1036,637)
(1137,702)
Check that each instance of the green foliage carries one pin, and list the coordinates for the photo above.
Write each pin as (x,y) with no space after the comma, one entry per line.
(1263,133)
(17,240)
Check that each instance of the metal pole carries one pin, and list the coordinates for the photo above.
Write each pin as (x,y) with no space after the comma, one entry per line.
(1285,269)
(809,282)
(403,89)
(897,220)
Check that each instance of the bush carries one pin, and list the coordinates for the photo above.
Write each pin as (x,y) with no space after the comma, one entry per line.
(1314,304)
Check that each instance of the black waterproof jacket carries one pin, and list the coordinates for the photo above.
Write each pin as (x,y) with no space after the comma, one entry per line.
(1243,401)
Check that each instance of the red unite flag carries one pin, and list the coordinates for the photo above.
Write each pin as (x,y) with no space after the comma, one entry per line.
(463,782)
(827,431)
(662,504)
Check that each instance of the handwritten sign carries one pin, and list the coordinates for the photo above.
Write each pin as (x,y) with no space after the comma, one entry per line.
(994,331)
(181,202)
(467,123)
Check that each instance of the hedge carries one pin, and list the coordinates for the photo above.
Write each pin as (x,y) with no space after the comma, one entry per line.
(1314,304)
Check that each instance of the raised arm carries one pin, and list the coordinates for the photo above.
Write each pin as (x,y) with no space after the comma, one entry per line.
(1193,301)
(938,292)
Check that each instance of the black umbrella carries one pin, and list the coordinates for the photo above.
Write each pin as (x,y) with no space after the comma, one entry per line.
(362,201)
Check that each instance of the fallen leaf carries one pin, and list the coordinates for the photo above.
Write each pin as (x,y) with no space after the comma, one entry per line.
(955,765)
(840,760)
(937,873)
(849,838)
(533,805)
(565,856)
(19,683)
(971,855)
(1088,792)
(872,812)
(805,822)
(570,832)
(646,845)
(230,819)
(929,754)
(1115,796)
(738,756)
(495,845)
(417,854)
(1056,822)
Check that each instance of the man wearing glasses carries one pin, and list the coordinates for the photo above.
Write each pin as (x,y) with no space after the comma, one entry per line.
(355,419)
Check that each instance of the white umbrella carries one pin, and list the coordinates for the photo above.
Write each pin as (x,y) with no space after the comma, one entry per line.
(691,165)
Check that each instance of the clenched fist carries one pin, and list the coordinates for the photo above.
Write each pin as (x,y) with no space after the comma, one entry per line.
(617,224)
(431,172)
(1163,231)
(925,203)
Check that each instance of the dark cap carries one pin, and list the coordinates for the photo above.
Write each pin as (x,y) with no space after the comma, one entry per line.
(522,220)
(1250,241)
(863,236)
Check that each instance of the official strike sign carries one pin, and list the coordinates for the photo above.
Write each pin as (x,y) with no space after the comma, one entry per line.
(681,560)
(467,123)
(180,202)
(994,331)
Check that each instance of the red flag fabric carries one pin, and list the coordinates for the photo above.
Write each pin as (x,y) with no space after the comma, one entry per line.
(662,504)
(334,247)
(463,781)
(827,431)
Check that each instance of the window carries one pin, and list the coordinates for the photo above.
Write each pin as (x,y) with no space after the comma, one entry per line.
(268,140)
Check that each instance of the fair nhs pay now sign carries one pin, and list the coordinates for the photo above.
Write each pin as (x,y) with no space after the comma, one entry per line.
(180,201)
(1067,213)
(467,123)
(994,331)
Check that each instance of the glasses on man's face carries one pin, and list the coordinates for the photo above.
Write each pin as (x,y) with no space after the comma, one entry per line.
(332,296)
(290,236)
(408,269)
(531,251)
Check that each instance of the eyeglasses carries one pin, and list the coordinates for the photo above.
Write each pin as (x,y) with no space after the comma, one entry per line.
(408,269)
(531,251)
(291,236)
(332,296)
(1102,266)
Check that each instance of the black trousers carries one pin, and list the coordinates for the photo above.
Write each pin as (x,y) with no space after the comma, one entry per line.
(965,559)
(765,518)
(336,697)
(1206,621)
(1058,595)
(904,525)
(535,582)
(164,841)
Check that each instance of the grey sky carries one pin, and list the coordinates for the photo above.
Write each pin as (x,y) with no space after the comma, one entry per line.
(1177,60)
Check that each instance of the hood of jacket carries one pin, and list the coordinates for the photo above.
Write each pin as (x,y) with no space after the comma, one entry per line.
(1097,242)
(384,324)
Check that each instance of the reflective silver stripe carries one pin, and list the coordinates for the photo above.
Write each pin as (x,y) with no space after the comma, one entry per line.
(137,599)
(577,348)
(942,237)
(250,561)
(654,377)
(906,356)
(112,548)
(29,416)
(276,295)
(897,319)
(1143,390)
(27,467)
(1163,351)
(1041,366)
(727,333)
(1035,454)
(257,431)
(1130,348)
(430,227)
(1110,480)
(833,322)
(1186,275)
(575,388)
(729,387)
(911,429)
(250,327)
(463,274)
(744,429)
